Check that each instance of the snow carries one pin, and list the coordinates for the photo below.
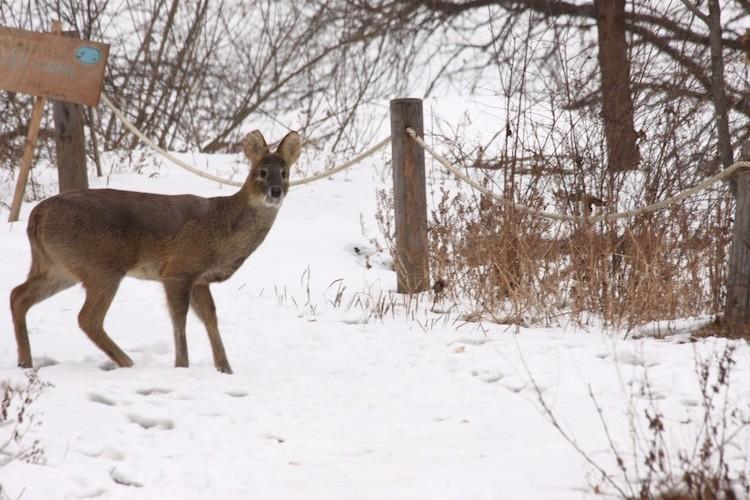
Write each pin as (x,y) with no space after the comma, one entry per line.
(327,400)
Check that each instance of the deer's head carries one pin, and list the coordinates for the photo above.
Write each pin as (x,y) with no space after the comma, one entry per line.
(269,173)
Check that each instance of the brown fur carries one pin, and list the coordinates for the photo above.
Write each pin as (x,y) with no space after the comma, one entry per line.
(97,237)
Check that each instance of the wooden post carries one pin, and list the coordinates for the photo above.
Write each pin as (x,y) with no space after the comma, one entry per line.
(737,311)
(70,146)
(412,265)
(70,143)
(28,156)
(28,151)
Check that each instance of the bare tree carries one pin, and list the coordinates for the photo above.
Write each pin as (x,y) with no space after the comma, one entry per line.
(718,84)
(617,103)
(669,84)
(194,74)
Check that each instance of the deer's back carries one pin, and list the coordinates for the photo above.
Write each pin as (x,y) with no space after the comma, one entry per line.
(144,235)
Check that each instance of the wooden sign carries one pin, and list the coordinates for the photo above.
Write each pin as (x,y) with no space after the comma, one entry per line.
(52,65)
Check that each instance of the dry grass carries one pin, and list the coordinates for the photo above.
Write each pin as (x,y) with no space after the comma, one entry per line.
(17,419)
(509,267)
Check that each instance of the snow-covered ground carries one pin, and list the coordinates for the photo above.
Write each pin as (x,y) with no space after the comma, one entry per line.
(327,401)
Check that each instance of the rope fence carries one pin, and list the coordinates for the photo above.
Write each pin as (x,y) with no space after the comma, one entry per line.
(448,166)
(166,154)
(573,218)
(330,171)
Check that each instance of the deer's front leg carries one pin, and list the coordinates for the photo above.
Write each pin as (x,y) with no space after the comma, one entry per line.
(178,300)
(203,305)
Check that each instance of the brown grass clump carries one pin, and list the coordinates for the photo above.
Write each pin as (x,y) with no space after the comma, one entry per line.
(510,267)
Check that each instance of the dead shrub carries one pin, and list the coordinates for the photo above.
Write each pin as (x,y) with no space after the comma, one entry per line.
(510,267)
(711,465)
(17,418)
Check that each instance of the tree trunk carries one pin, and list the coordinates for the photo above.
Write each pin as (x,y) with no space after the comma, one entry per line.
(721,106)
(617,103)
(737,310)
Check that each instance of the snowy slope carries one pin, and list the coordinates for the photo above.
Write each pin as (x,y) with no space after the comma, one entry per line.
(325,402)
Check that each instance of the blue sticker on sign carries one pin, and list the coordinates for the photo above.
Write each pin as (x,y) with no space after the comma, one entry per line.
(88,55)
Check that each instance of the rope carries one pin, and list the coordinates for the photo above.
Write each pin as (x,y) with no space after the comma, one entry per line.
(326,173)
(148,142)
(573,218)
(166,154)
(443,161)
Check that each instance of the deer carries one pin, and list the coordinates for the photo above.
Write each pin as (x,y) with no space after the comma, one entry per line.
(97,237)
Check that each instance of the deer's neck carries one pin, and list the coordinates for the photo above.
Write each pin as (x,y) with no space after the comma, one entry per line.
(248,214)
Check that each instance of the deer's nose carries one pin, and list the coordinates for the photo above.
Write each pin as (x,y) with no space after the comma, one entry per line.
(275,192)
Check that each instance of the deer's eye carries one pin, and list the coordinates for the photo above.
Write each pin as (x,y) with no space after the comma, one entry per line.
(263,173)
(284,174)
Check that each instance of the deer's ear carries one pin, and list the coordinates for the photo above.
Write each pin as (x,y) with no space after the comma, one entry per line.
(290,148)
(254,146)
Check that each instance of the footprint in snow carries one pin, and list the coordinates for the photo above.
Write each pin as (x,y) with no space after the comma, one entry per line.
(149,423)
(107,452)
(107,365)
(44,361)
(236,394)
(120,478)
(631,358)
(513,384)
(153,390)
(357,318)
(93,493)
(488,376)
(98,398)
(690,402)
(273,437)
(470,341)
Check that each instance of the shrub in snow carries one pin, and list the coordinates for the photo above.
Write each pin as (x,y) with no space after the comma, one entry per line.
(17,418)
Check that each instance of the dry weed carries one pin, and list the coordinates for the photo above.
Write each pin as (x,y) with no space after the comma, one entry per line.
(515,268)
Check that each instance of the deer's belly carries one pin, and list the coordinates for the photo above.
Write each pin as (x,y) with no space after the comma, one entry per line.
(145,271)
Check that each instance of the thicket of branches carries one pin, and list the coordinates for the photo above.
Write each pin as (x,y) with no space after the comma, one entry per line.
(552,148)
(197,74)
(541,57)
(193,74)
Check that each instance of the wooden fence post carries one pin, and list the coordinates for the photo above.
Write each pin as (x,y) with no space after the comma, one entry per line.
(28,155)
(737,311)
(410,198)
(70,143)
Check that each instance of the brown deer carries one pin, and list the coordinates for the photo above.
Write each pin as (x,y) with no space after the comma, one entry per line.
(98,236)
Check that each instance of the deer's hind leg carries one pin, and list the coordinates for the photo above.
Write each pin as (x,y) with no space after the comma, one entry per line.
(99,296)
(40,284)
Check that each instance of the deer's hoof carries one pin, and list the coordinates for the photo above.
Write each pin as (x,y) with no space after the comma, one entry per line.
(224,369)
